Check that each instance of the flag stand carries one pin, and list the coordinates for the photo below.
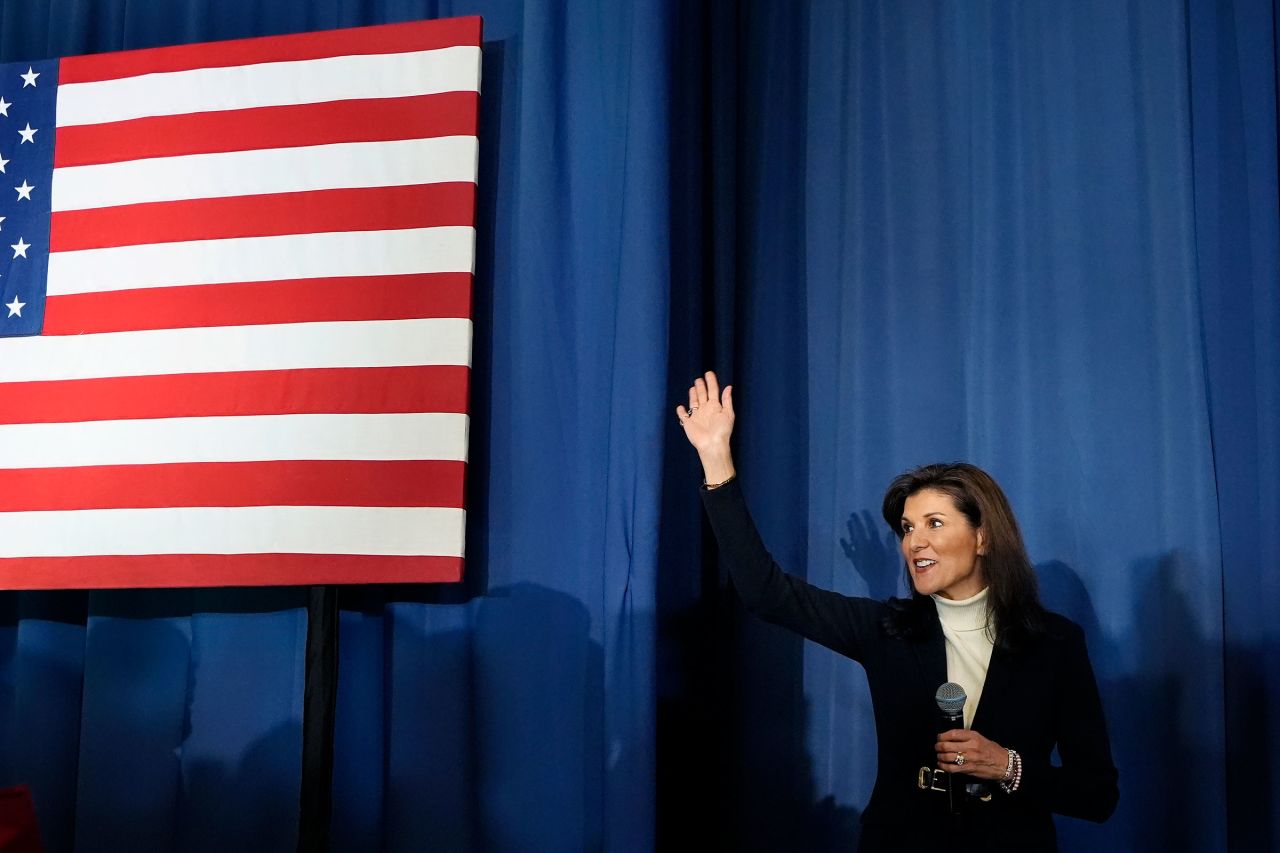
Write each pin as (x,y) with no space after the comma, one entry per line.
(319,707)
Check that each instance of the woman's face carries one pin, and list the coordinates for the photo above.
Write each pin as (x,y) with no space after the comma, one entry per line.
(942,549)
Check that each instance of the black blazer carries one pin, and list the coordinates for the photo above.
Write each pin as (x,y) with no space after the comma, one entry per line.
(1042,696)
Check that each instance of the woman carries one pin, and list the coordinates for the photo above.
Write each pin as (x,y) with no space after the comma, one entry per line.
(974,618)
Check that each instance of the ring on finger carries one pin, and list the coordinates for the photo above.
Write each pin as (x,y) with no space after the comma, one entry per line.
(959,762)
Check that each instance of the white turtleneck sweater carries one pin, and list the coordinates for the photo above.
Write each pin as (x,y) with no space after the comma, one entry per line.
(964,626)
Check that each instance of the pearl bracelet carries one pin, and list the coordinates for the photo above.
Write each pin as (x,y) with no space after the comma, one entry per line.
(1013,773)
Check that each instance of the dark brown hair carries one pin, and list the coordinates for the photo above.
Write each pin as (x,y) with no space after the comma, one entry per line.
(1017,615)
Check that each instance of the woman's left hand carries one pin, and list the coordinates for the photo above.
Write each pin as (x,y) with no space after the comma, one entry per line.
(983,759)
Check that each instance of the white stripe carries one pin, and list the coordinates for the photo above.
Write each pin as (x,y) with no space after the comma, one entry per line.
(268,84)
(218,349)
(448,248)
(399,531)
(258,438)
(342,165)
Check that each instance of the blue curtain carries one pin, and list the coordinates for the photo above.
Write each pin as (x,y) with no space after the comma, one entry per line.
(1233,104)
(1039,236)
(516,713)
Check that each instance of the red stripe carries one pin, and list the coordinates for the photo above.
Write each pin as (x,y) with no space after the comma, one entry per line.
(409,483)
(305,300)
(389,38)
(362,209)
(366,390)
(376,120)
(209,570)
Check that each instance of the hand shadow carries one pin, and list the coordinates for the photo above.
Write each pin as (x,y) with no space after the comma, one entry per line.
(875,558)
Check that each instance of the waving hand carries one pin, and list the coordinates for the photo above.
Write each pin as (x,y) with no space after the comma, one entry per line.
(708,424)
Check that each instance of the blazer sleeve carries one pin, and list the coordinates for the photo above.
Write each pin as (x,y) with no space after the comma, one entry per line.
(839,622)
(1086,784)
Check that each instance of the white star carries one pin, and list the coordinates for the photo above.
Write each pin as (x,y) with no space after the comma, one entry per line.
(29,79)
(3,163)
(28,135)
(24,191)
(20,248)
(4,107)
(2,223)
(15,307)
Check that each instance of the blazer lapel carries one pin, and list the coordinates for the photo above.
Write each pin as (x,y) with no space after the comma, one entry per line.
(994,690)
(931,656)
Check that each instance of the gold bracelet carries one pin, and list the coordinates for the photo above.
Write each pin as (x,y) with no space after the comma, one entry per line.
(713,486)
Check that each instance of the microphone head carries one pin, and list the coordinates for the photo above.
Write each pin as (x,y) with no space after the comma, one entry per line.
(950,698)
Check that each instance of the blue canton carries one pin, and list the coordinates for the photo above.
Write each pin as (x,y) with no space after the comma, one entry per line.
(28,100)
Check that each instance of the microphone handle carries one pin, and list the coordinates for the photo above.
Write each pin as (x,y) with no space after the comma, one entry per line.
(949,722)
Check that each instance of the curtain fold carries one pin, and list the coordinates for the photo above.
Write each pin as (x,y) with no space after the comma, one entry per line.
(1233,67)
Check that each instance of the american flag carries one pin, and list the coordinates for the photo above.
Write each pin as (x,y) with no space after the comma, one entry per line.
(235,340)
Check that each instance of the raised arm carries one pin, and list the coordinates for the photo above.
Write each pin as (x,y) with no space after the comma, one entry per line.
(834,620)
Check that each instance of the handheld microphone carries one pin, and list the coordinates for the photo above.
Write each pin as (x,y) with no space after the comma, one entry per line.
(950,699)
